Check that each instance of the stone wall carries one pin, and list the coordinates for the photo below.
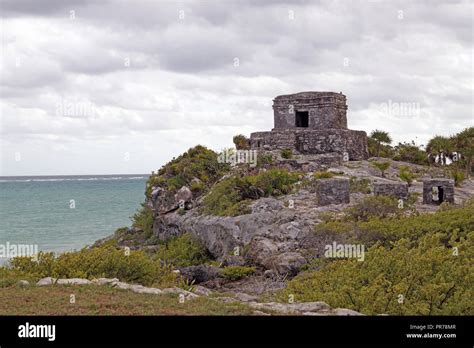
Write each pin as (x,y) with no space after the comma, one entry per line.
(306,141)
(395,189)
(331,191)
(326,110)
(444,186)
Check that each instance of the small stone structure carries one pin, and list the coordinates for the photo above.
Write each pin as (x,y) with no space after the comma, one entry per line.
(396,189)
(332,191)
(312,123)
(437,191)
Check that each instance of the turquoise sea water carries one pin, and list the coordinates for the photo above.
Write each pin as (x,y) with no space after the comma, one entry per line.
(40,210)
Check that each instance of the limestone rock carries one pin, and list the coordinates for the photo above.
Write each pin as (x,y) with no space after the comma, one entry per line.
(232,260)
(73,281)
(46,281)
(202,291)
(184,195)
(287,263)
(245,297)
(104,281)
(200,273)
(345,312)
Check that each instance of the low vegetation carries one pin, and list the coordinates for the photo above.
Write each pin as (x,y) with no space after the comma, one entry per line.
(231,196)
(413,264)
(406,174)
(287,153)
(433,277)
(104,261)
(197,163)
(381,165)
(361,185)
(237,272)
(323,175)
(102,300)
(184,250)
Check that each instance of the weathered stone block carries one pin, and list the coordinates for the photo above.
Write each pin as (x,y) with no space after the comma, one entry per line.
(437,191)
(395,189)
(332,191)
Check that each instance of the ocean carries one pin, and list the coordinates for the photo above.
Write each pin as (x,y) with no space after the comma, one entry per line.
(64,213)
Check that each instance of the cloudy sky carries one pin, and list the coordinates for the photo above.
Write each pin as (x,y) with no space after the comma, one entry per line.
(102,87)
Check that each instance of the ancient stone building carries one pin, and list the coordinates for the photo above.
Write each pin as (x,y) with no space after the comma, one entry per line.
(437,191)
(396,189)
(312,123)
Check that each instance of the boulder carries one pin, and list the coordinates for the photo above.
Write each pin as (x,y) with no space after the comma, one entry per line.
(232,260)
(310,306)
(345,312)
(46,281)
(201,290)
(200,273)
(74,281)
(260,250)
(287,263)
(104,281)
(23,282)
(184,195)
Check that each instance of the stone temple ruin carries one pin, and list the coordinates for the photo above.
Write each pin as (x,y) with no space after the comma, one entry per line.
(312,123)
(437,191)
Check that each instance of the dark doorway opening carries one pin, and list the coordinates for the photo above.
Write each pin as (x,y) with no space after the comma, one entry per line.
(440,194)
(302,119)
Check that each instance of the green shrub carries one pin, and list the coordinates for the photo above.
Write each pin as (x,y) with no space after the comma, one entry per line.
(458,175)
(236,272)
(428,279)
(143,219)
(184,250)
(198,162)
(409,152)
(373,206)
(453,221)
(323,175)
(231,196)
(264,160)
(241,142)
(359,185)
(287,153)
(405,173)
(382,166)
(104,261)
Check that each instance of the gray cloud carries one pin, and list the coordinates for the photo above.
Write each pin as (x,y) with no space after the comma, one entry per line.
(163,74)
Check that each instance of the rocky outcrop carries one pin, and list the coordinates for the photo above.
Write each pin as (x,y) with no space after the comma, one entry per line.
(269,237)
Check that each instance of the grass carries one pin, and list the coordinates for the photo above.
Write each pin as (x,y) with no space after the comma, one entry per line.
(103,300)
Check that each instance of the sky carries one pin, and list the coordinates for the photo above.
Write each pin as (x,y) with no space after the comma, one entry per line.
(116,87)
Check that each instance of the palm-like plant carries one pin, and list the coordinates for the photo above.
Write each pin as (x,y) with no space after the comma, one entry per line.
(380,137)
(463,143)
(439,147)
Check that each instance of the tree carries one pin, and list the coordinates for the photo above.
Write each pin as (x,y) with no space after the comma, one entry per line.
(463,143)
(382,166)
(380,137)
(439,147)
